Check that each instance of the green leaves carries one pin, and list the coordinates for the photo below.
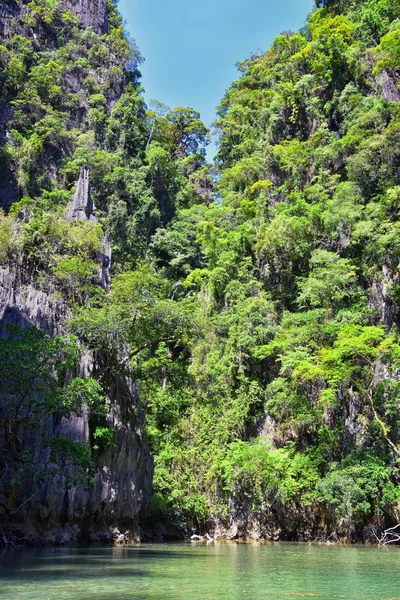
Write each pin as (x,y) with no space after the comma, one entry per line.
(332,282)
(358,489)
(184,132)
(266,476)
(81,392)
(104,438)
(388,49)
(34,370)
(7,235)
(265,309)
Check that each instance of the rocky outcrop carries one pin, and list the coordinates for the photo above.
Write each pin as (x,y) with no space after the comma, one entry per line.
(387,87)
(380,298)
(8,10)
(8,186)
(91,13)
(275,523)
(121,491)
(24,304)
(58,513)
(105,279)
(82,207)
(13,13)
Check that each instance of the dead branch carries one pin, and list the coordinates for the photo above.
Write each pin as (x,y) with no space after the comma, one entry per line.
(390,536)
(14,512)
(382,425)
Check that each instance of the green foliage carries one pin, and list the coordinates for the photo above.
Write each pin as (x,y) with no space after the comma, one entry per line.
(75,275)
(259,324)
(181,131)
(265,476)
(388,49)
(359,488)
(104,438)
(283,270)
(331,284)
(6,235)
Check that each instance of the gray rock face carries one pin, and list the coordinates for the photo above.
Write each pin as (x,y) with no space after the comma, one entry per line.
(9,191)
(61,514)
(123,477)
(25,305)
(122,485)
(275,522)
(6,112)
(388,87)
(380,298)
(82,207)
(91,13)
(7,10)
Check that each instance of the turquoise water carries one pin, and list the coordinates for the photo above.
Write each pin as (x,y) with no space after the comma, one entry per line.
(183,571)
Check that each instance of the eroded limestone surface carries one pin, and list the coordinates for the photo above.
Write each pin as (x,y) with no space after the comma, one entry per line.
(91,13)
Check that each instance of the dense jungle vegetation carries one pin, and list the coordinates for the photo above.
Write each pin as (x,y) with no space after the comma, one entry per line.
(255,301)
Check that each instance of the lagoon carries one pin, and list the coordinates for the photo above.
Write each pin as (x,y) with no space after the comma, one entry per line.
(180,571)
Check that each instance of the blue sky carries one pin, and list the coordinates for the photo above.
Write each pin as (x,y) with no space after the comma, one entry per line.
(191,47)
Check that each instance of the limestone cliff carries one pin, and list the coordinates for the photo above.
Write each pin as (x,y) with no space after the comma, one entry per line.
(122,481)
(57,512)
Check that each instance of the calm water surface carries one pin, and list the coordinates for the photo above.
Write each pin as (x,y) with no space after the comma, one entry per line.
(183,571)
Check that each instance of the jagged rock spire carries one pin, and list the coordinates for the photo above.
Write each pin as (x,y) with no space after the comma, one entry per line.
(82,207)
